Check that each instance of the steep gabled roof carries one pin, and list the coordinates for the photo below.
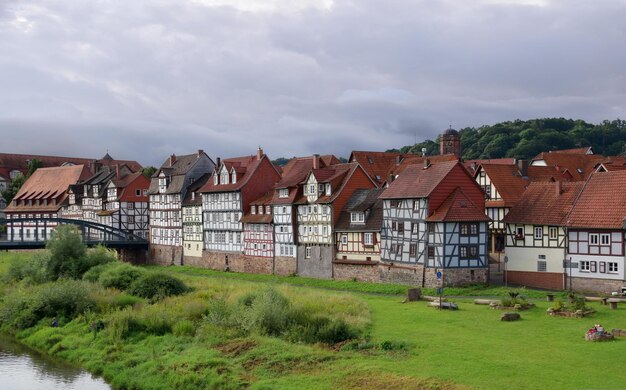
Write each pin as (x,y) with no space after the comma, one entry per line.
(194,188)
(413,159)
(48,183)
(418,182)
(377,164)
(176,172)
(543,203)
(362,201)
(579,166)
(602,202)
(245,167)
(297,169)
(259,217)
(458,208)
(507,180)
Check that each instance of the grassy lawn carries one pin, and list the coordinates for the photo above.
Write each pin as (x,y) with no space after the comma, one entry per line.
(468,348)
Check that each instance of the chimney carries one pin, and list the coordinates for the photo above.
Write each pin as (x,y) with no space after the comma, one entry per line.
(558,187)
(259,153)
(426,163)
(92,167)
(200,151)
(390,179)
(117,171)
(172,159)
(217,163)
(316,161)
(522,166)
(398,159)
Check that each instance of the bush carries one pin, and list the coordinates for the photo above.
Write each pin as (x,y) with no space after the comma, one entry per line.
(98,256)
(119,275)
(64,300)
(184,328)
(321,330)
(32,269)
(93,275)
(156,286)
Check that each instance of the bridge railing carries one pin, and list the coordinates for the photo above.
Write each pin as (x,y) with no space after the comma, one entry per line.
(18,231)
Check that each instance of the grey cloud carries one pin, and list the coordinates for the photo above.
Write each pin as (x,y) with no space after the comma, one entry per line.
(145,79)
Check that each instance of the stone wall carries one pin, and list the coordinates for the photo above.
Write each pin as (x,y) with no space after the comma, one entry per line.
(319,265)
(401,274)
(548,280)
(596,285)
(363,271)
(134,256)
(463,276)
(165,254)
(285,266)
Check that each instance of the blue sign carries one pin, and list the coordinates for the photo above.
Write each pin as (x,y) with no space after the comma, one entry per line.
(438,274)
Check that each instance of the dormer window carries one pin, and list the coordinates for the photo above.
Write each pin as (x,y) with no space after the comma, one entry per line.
(224,178)
(95,190)
(162,184)
(283,193)
(260,209)
(215,179)
(312,189)
(357,217)
(328,189)
(72,199)
(268,210)
(86,190)
(253,209)
(233,176)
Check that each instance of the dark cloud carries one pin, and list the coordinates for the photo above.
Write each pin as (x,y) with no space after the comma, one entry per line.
(144,79)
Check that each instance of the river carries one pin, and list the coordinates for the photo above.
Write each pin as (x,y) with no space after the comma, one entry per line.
(22,368)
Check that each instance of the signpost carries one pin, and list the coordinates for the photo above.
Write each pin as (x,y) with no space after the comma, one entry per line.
(439,287)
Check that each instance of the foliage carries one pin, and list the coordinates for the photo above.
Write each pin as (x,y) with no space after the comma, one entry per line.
(64,299)
(157,285)
(526,139)
(69,256)
(148,171)
(281,161)
(13,188)
(119,275)
(32,269)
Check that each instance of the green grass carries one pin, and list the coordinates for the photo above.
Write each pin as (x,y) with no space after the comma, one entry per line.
(468,348)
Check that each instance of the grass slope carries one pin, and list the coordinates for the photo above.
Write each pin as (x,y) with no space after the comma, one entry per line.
(469,348)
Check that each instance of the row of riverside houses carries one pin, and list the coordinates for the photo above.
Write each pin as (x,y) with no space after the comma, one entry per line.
(381,217)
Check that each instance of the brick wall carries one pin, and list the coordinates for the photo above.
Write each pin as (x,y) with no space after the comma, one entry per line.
(548,280)
(165,254)
(597,285)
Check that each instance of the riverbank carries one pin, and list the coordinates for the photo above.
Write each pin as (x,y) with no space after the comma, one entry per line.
(171,343)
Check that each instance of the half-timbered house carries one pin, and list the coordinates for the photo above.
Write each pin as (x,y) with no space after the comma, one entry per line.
(42,196)
(357,237)
(234,184)
(286,192)
(193,243)
(325,193)
(536,234)
(595,230)
(168,188)
(258,235)
(434,220)
(503,185)
(126,203)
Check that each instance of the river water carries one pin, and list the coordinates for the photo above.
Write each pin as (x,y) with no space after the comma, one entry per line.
(21,368)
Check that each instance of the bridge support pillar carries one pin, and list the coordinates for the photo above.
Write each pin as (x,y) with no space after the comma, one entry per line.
(133,256)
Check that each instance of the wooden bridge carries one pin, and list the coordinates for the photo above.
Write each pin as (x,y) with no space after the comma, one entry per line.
(33,233)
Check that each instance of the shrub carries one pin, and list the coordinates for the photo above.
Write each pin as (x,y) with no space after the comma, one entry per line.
(67,251)
(119,276)
(155,286)
(93,275)
(267,312)
(32,269)
(98,256)
(321,330)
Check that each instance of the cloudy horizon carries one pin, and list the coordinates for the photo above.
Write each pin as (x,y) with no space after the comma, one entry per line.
(145,79)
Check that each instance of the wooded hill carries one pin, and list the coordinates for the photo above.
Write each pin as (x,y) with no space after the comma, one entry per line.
(526,139)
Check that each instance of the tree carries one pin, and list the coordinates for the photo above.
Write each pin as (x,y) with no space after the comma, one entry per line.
(148,171)
(13,188)
(66,252)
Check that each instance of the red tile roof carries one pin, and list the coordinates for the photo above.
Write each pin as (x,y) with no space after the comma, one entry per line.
(472,165)
(417,182)
(543,204)
(409,160)
(458,208)
(377,164)
(579,166)
(508,182)
(48,183)
(244,166)
(602,202)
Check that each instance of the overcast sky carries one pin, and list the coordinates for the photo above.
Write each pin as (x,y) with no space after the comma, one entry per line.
(146,78)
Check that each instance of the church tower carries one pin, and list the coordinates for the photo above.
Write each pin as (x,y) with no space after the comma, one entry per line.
(450,142)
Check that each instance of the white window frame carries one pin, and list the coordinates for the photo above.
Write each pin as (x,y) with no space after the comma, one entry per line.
(585,266)
(307,252)
(553,232)
(368,238)
(605,239)
(283,193)
(612,267)
(538,232)
(594,239)
(344,239)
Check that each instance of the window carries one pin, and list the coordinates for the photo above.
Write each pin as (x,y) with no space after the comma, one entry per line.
(542,266)
(283,193)
(414,227)
(473,251)
(431,228)
(344,239)
(234,176)
(328,189)
(463,252)
(394,203)
(487,190)
(307,252)
(312,189)
(553,233)
(268,209)
(468,229)
(393,248)
(253,209)
(400,228)
(368,238)
(594,239)
(613,267)
(593,266)
(224,178)
(538,232)
(412,249)
(138,192)
(357,217)
(605,239)
(431,251)
(416,205)
(584,266)
(131,205)
(284,210)
(519,233)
